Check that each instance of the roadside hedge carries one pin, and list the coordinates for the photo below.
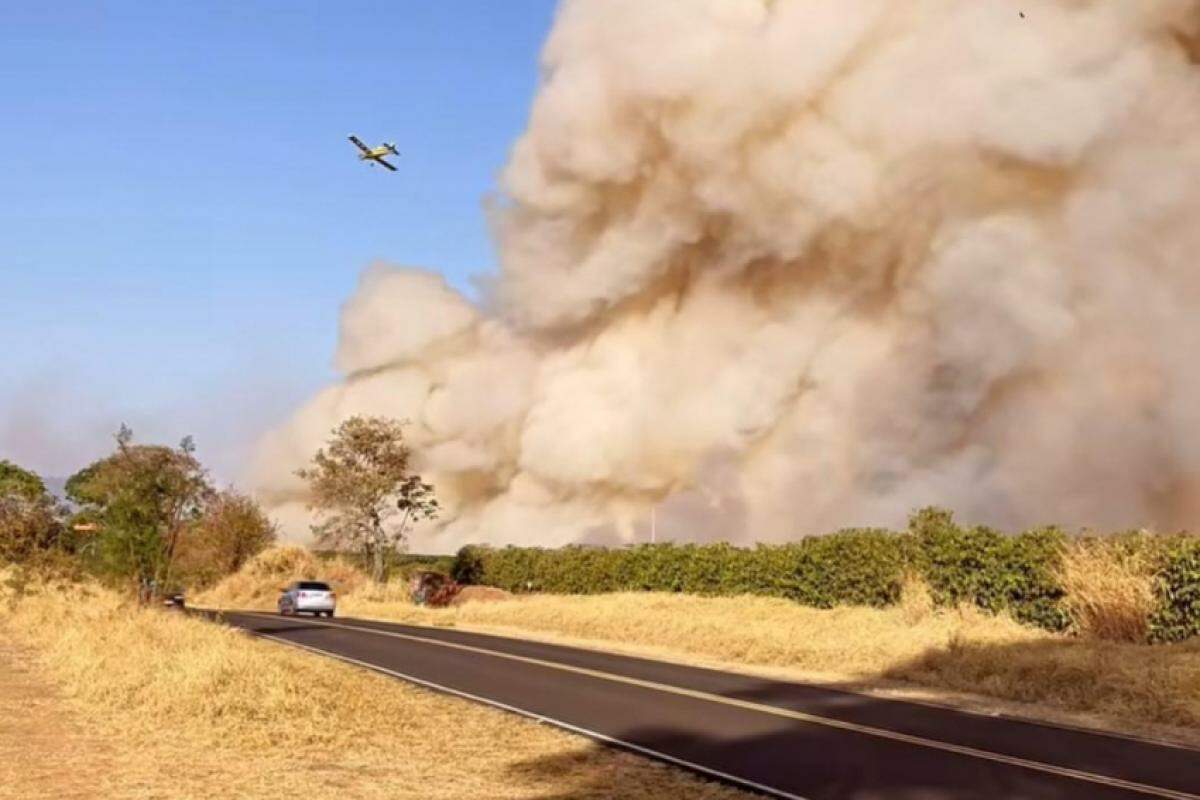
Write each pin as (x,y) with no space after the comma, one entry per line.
(993,570)
(1178,614)
(850,567)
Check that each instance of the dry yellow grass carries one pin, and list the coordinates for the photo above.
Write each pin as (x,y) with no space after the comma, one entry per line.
(156,705)
(916,601)
(41,746)
(1121,686)
(1110,590)
(844,642)
(257,584)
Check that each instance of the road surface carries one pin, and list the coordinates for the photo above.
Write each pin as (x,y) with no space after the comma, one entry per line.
(782,739)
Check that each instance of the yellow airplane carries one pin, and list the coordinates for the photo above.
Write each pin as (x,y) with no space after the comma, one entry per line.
(375,155)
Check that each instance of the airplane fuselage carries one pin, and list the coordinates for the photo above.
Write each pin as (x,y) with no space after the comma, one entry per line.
(375,155)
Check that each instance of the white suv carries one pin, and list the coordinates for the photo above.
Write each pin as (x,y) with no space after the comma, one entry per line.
(314,596)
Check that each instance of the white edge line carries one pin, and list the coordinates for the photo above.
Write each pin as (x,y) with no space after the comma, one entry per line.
(1016,761)
(732,669)
(655,754)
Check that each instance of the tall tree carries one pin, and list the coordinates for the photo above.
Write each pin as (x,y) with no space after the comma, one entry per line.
(363,491)
(142,497)
(30,518)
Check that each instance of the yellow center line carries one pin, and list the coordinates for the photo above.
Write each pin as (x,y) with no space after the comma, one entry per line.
(787,713)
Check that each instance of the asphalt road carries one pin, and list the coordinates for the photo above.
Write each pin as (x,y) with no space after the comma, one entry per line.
(783,739)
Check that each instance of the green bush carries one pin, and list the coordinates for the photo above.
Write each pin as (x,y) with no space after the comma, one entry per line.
(1178,614)
(467,567)
(1031,587)
(979,565)
(990,569)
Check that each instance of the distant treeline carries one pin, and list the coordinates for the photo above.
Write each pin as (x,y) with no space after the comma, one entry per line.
(1020,574)
(398,563)
(146,517)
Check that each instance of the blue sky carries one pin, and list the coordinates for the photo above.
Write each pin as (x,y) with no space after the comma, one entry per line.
(181,215)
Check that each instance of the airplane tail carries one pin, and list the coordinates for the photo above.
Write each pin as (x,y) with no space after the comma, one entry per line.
(391,148)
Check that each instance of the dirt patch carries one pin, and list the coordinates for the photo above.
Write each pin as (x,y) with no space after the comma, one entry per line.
(44,751)
(480,594)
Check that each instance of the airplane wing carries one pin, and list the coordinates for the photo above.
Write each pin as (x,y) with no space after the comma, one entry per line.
(386,164)
(358,143)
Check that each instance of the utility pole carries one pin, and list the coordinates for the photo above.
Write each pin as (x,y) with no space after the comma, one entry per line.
(653,531)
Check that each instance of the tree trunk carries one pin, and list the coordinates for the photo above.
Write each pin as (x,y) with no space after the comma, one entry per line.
(379,568)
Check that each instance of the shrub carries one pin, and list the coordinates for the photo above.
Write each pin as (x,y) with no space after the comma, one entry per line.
(231,530)
(852,567)
(992,570)
(467,568)
(31,527)
(1178,590)
(1030,584)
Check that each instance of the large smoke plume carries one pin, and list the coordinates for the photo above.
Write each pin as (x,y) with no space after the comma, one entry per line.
(772,268)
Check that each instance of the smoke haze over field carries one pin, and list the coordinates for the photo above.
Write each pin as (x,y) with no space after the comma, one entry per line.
(775,268)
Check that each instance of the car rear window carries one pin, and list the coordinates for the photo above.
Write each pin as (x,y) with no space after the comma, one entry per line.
(314,586)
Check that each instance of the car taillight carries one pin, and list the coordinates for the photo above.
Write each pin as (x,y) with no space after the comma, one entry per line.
(303,594)
(332,595)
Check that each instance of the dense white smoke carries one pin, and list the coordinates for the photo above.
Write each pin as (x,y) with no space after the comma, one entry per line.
(772,268)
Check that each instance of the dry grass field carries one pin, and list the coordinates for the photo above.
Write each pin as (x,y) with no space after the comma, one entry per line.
(961,656)
(1110,593)
(104,700)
